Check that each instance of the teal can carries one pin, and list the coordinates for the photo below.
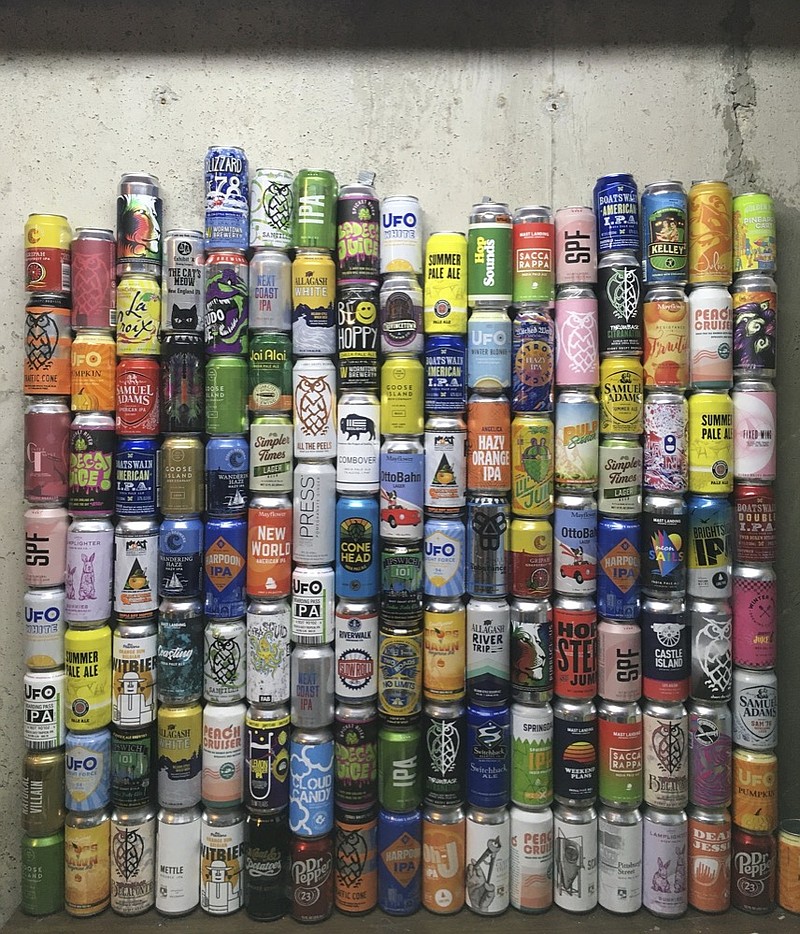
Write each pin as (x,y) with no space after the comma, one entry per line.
(399,768)
(314,216)
(226,395)
(43,874)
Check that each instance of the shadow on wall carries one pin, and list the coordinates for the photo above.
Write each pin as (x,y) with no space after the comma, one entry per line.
(447,25)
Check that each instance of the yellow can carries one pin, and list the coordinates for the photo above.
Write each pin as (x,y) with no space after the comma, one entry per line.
(402,396)
(445,308)
(444,648)
(138,314)
(789,866)
(710,233)
(754,802)
(531,558)
(532,466)
(710,443)
(87,661)
(47,253)
(87,870)
(621,396)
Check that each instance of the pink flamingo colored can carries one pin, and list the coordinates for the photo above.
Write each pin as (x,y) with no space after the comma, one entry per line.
(754,412)
(754,603)
(577,349)
(576,251)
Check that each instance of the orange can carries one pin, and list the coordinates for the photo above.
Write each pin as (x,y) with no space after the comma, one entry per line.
(94,372)
(269,547)
(444,647)
(710,233)
(666,338)
(709,860)
(789,866)
(443,860)
(356,880)
(48,346)
(488,444)
(755,790)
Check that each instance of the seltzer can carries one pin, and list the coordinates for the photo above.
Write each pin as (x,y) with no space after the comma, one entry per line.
(138,316)
(754,438)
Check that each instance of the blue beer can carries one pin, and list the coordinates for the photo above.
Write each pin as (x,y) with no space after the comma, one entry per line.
(533,349)
(357,552)
(445,557)
(488,569)
(225,567)
(664,233)
(87,770)
(311,782)
(180,557)
(709,549)
(227,467)
(399,862)
(488,756)
(402,479)
(618,568)
(445,373)
(616,204)
(227,199)
(136,476)
(180,652)
(489,350)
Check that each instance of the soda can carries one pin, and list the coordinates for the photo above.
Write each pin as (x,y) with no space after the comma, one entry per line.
(271,206)
(266,759)
(43,793)
(755,709)
(664,232)
(531,558)
(754,298)
(489,350)
(311,783)
(226,396)
(224,564)
(269,458)
(788,840)
(618,568)
(270,290)
(711,624)
(710,337)
(227,199)
(355,739)
(136,477)
(445,283)
(133,853)
(666,338)
(443,859)
(358,443)
(314,389)
(401,581)
(223,755)
(755,617)
(619,661)
(270,374)
(182,293)
(665,442)
(134,659)
(402,402)
(357,335)
(312,686)
(575,544)
(576,441)
(753,233)
(665,533)
(311,878)
(89,563)
(357,553)
(575,858)
(710,233)
(533,346)
(401,314)
(577,357)
(489,276)
(87,692)
(137,392)
(269,546)
(47,253)
(180,651)
(87,770)
(621,399)
(400,768)
(443,643)
(138,316)
(531,651)
(444,754)
(616,204)
(488,842)
(619,305)
(91,459)
(488,454)
(400,660)
(754,411)
(226,302)
(94,281)
(226,473)
(711,443)
(358,229)
(85,858)
(666,649)
(45,546)
(575,647)
(134,758)
(180,749)
(356,866)
(710,547)
(313,303)
(665,863)
(574,751)
(314,512)
(488,637)
(139,220)
(177,861)
(222,861)
(400,862)
(619,859)
(136,570)
(709,754)
(92,380)
(575,245)
(445,374)
(45,625)
(268,652)
(533,245)
(531,755)
(401,236)
(356,651)
(709,888)
(619,742)
(753,871)
(401,477)
(46,443)
(182,400)
(224,661)
(314,214)
(666,760)
(488,756)
(312,605)
(48,345)
(755,791)
(531,871)
(488,539)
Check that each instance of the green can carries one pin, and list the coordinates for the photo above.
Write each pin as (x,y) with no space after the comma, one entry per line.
(314,217)
(531,755)
(399,768)
(754,243)
(270,371)
(489,277)
(226,395)
(43,792)
(134,758)
(43,874)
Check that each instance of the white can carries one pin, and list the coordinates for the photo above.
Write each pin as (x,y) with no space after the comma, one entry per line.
(223,755)
(45,626)
(90,564)
(401,234)
(358,444)
(178,861)
(133,851)
(575,858)
(356,648)
(755,709)
(269,652)
(531,860)
(136,569)
(222,861)
(44,709)
(314,513)
(134,660)
(710,337)
(619,859)
(754,414)
(487,861)
(225,661)
(314,394)
(271,450)
(313,602)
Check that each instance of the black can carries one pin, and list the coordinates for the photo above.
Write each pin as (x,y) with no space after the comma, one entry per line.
(401,581)
(666,650)
(92,442)
(488,569)
(574,751)
(183,397)
(665,530)
(180,652)
(134,759)
(355,745)
(619,304)
(445,754)
(358,231)
(357,312)
(266,865)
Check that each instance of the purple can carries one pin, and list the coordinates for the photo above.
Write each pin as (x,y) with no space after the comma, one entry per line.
(577,347)
(709,754)
(754,616)
(92,440)
(533,343)
(664,873)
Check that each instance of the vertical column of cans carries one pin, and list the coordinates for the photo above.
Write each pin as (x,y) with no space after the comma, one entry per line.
(400,653)
(754,300)
(46,385)
(314,581)
(488,577)
(233,567)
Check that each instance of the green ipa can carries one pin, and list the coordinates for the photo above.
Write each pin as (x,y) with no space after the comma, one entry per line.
(314,217)
(399,768)
(270,371)
(489,276)
(531,755)
(226,395)
(43,874)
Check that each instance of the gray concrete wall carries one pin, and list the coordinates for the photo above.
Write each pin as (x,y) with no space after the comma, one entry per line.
(526,101)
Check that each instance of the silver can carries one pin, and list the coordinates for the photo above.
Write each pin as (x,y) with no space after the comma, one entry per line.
(313,602)
(577,441)
(222,861)
(575,858)
(619,485)
(665,862)
(133,855)
(134,663)
(487,861)
(574,752)
(358,443)
(182,284)
(269,652)
(178,861)
(445,465)
(531,876)
(711,623)
(575,544)
(136,570)
(314,394)
(619,859)
(709,754)
(401,314)
(356,651)
(488,638)
(271,204)
(666,755)
(44,706)
(312,686)
(488,530)
(270,281)
(45,626)
(755,708)
(271,454)
(402,465)
(90,572)
(225,661)
(314,513)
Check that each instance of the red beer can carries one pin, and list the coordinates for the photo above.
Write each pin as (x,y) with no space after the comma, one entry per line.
(46,440)
(575,632)
(709,860)
(754,507)
(754,871)
(311,878)
(137,396)
(94,284)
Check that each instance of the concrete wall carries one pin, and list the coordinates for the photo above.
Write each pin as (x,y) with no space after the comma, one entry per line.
(527,102)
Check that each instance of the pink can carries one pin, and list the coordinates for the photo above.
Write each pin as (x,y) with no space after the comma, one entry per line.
(576,251)
(577,348)
(89,572)
(94,284)
(45,545)
(754,411)
(710,337)
(619,656)
(754,616)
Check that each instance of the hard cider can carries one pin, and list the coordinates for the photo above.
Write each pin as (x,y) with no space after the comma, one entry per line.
(709,860)
(664,232)
(575,647)
(574,751)
(710,547)
(134,660)
(226,198)
(356,861)
(620,748)
(789,866)
(311,878)
(755,709)
(710,233)
(270,291)
(755,617)
(754,510)
(577,356)
(711,624)
(138,311)
(665,864)
(754,298)
(575,544)
(531,755)
(531,558)
(94,283)
(618,568)
(616,204)
(266,759)
(226,395)
(86,863)
(620,469)
(531,869)
(666,649)
(575,245)
(532,465)
(311,783)
(531,651)
(356,651)
(445,374)
(576,441)
(755,790)
(313,303)
(180,651)
(445,283)
(182,400)
(666,760)
(754,246)
(753,871)
(270,371)
(488,843)
(444,648)
(489,251)
(445,465)
(226,302)
(271,206)
(136,477)
(444,754)
(575,858)
(355,751)
(620,316)
(401,478)
(314,392)
(400,768)
(358,229)
(711,443)
(401,235)
(91,465)
(45,546)
(223,755)
(314,210)
(666,442)
(225,566)
(182,293)
(666,338)
(619,660)
(754,441)
(133,857)
(709,754)
(488,538)
(177,861)
(47,253)
(443,859)
(180,749)
(269,456)
(87,693)
(43,808)
(48,346)
(136,570)
(488,637)
(357,335)
(710,337)
(137,393)
(488,757)
(87,770)
(139,220)
(222,861)
(45,625)
(489,349)
(399,862)
(444,547)
(92,374)
(46,444)
(619,859)
(226,468)
(268,652)
(533,245)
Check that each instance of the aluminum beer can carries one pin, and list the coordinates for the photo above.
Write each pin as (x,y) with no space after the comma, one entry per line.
(445,374)
(577,357)
(133,856)
(312,605)
(753,871)
(754,509)
(47,253)
(87,770)
(619,859)
(666,649)
(87,692)
(445,556)
(621,396)
(666,442)
(357,335)
(134,758)
(358,443)
(575,245)
(664,232)
(620,316)
(788,853)
(224,661)
(443,859)
(178,861)
(576,441)
(182,286)
(271,206)
(444,754)
(314,209)
(619,660)
(139,220)
(48,345)
(91,465)
(666,338)
(86,857)
(575,544)
(314,512)
(531,651)
(266,759)
(666,760)
(753,233)
(356,651)
(222,859)
(402,396)
(489,350)
(270,288)
(43,792)
(46,444)
(402,466)
(357,552)
(92,379)
(575,647)
(533,246)
(620,477)
(356,881)
(399,768)
(225,563)
(711,623)
(755,299)
(270,373)
(531,755)
(616,204)
(313,303)
(709,754)
(227,197)
(45,625)
(755,616)
(445,465)
(710,337)
(444,648)
(711,443)
(401,581)
(138,317)
(755,709)
(665,533)
(311,673)
(488,842)
(401,235)
(710,233)
(268,652)
(618,568)
(89,571)
(401,314)
(94,283)
(223,755)
(136,570)
(575,858)
(488,453)
(134,660)
(355,749)
(665,864)
(269,547)
(488,756)
(754,412)
(180,651)
(314,388)
(709,833)
(531,870)
(533,346)
(358,229)
(136,477)
(227,462)
(180,751)
(489,276)
(574,751)
(400,661)
(619,742)
(400,862)
(311,783)
(755,791)
(226,395)
(180,467)
(532,465)
(445,283)
(182,399)
(531,558)
(488,530)
(488,638)
(45,546)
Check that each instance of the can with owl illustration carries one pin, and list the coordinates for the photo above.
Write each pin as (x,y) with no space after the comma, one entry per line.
(314,389)
(133,856)
(271,204)
(48,346)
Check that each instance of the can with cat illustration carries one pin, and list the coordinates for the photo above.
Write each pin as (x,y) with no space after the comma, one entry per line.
(575,858)
(182,292)
(488,847)
(665,839)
